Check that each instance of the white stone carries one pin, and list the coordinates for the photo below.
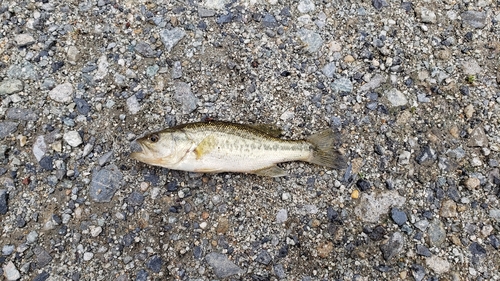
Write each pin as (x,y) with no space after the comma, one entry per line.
(88,256)
(372,206)
(10,271)
(102,68)
(95,230)
(73,54)
(214,4)
(282,216)
(438,265)
(24,39)
(306,6)
(396,98)
(133,105)
(62,93)
(73,138)
(39,148)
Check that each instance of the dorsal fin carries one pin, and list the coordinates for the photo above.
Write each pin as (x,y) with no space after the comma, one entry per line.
(270,130)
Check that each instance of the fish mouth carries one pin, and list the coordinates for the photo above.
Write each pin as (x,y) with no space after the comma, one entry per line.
(138,150)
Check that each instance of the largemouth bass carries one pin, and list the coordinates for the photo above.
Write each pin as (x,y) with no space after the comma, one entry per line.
(215,147)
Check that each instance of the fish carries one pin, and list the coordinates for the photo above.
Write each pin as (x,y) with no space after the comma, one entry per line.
(218,146)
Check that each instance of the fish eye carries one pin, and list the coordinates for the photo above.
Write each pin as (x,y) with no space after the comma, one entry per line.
(154,138)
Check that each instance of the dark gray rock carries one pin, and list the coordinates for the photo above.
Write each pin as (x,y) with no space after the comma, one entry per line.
(3,201)
(155,264)
(7,128)
(135,198)
(185,97)
(142,275)
(16,113)
(104,183)
(379,4)
(423,251)
(476,249)
(145,50)
(474,19)
(42,276)
(263,257)
(205,13)
(418,272)
(398,216)
(82,106)
(222,266)
(43,258)
(427,156)
(279,271)
(393,247)
(226,18)
(47,163)
(269,21)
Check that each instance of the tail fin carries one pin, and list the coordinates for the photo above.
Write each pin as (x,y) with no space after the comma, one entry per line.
(324,152)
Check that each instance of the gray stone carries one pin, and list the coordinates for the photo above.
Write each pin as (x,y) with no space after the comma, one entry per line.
(145,50)
(471,67)
(185,97)
(171,37)
(135,199)
(438,265)
(25,71)
(423,251)
(73,54)
(11,86)
(422,224)
(62,93)
(152,70)
(16,113)
(4,204)
(329,69)
(495,214)
(120,80)
(43,258)
(474,19)
(457,153)
(39,148)
(214,4)
(436,233)
(10,271)
(478,138)
(24,39)
(371,206)
(102,68)
(395,97)
(418,272)
(279,271)
(342,85)
(306,6)
(393,246)
(282,216)
(222,266)
(269,21)
(427,156)
(32,237)
(104,183)
(426,15)
(374,83)
(263,257)
(205,13)
(7,128)
(73,138)
(7,250)
(133,105)
(177,70)
(105,158)
(398,216)
(312,41)
(379,4)
(155,264)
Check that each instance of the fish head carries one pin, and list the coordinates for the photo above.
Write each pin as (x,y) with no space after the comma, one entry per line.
(159,149)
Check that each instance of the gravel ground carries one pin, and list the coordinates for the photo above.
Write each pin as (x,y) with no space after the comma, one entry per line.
(413,87)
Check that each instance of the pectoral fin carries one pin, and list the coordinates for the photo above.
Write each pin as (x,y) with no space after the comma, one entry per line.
(273,171)
(204,147)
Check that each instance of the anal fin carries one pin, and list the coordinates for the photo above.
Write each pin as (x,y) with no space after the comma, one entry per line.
(273,171)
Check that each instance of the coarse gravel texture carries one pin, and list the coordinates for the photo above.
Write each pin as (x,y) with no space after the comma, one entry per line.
(413,88)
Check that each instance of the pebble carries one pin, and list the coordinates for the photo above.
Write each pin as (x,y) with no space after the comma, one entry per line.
(185,97)
(42,276)
(282,216)
(494,214)
(373,84)
(155,264)
(11,86)
(72,138)
(32,237)
(4,207)
(342,85)
(422,224)
(82,106)
(16,113)
(393,246)
(62,93)
(478,138)
(395,97)
(312,41)
(423,251)
(476,249)
(145,50)
(448,209)
(438,265)
(88,256)
(329,69)
(427,156)
(177,70)
(418,272)
(105,158)
(325,249)
(215,4)
(471,67)
(205,13)
(279,270)
(102,68)
(426,15)
(7,128)
(372,206)
(133,105)
(43,258)
(306,6)
(104,183)
(379,4)
(472,183)
(263,257)
(135,198)
(222,266)
(398,216)
(474,19)
(73,55)
(39,148)
(25,71)
(24,39)
(7,250)
(436,233)
(47,163)
(10,271)
(95,230)
(170,38)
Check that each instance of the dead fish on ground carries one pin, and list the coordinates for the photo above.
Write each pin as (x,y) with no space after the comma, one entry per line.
(215,147)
